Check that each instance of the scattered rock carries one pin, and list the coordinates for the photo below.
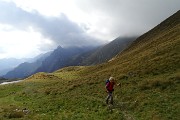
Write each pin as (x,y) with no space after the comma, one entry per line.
(25,110)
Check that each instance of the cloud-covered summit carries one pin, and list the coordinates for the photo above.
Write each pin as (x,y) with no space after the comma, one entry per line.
(128,17)
(44,25)
(60,30)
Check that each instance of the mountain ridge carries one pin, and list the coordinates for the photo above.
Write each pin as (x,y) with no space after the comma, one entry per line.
(63,57)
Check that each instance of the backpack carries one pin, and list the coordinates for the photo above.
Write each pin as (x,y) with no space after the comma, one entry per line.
(107,81)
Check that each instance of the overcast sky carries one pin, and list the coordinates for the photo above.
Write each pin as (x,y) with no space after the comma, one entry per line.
(30,27)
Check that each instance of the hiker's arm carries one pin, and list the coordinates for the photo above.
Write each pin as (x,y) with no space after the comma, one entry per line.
(107,85)
(119,84)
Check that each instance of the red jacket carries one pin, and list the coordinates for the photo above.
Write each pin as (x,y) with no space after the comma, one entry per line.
(110,86)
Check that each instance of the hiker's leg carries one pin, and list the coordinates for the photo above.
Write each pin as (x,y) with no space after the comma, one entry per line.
(107,98)
(111,99)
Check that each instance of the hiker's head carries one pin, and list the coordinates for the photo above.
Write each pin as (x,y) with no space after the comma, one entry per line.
(111,79)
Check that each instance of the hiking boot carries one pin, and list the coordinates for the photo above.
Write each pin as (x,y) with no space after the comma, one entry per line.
(106,101)
(111,102)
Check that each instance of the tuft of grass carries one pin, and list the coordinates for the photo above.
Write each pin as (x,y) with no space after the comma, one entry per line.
(16,114)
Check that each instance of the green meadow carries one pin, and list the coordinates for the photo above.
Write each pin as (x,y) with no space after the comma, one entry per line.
(65,95)
(148,70)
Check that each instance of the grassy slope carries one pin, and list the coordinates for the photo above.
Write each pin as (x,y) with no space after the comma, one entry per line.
(61,95)
(149,71)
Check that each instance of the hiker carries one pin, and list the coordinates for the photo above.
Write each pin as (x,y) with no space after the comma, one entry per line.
(110,88)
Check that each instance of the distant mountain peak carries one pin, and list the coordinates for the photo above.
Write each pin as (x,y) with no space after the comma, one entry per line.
(59,47)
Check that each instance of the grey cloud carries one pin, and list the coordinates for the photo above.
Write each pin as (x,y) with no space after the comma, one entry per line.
(45,48)
(119,17)
(10,14)
(2,51)
(60,29)
(130,16)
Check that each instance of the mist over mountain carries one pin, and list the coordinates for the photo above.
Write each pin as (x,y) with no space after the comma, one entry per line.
(71,56)
(59,58)
(102,53)
(155,52)
(63,57)
(8,64)
(4,71)
(27,68)
(23,70)
(107,52)
(48,62)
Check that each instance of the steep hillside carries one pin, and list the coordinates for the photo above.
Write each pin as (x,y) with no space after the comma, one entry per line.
(148,70)
(105,53)
(155,52)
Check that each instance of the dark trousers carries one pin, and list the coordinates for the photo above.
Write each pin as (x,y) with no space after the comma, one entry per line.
(110,96)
